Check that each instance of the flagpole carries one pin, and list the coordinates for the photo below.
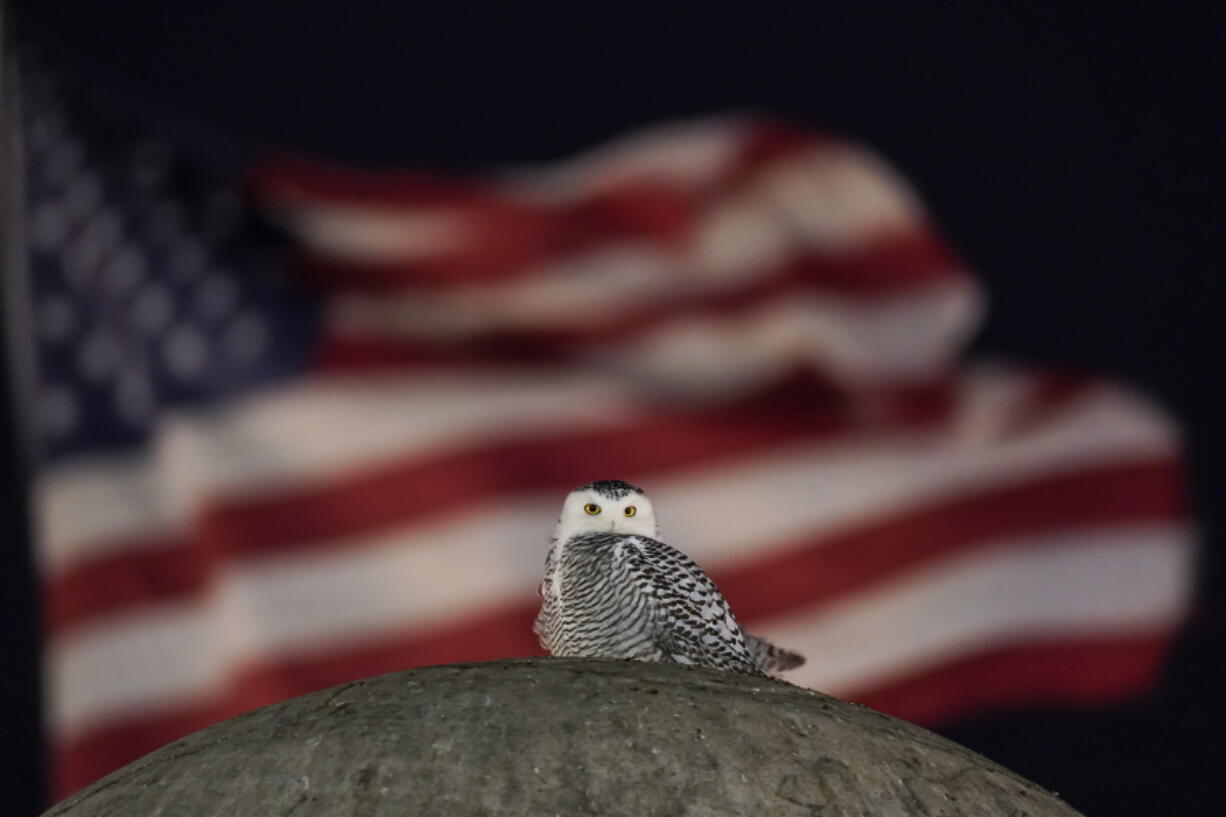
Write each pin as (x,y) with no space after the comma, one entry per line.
(24,779)
(19,358)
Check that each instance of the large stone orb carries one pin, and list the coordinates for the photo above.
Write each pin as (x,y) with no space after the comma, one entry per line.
(562,737)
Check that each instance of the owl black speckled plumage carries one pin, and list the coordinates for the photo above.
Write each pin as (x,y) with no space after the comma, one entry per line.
(613,590)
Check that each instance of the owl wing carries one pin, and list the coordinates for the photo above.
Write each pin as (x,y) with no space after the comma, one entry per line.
(545,625)
(689,619)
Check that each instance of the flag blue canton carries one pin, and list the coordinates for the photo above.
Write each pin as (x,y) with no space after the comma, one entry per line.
(152,286)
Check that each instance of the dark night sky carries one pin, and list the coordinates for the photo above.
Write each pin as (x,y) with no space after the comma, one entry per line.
(1072,154)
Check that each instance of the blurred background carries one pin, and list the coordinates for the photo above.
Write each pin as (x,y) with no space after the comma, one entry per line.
(901,314)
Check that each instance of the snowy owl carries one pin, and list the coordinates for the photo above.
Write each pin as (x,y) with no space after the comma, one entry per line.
(613,590)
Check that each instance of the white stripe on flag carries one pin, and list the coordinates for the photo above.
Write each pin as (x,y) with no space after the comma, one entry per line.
(363,234)
(839,197)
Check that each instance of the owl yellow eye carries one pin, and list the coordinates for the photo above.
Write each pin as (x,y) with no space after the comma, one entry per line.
(591,509)
(630,510)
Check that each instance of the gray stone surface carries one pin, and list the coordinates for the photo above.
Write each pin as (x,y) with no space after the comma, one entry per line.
(562,737)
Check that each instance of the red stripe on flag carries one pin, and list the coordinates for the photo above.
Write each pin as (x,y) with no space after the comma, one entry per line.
(142,572)
(1091,671)
(767,144)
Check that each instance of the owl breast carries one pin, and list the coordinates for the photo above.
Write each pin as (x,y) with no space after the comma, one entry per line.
(589,606)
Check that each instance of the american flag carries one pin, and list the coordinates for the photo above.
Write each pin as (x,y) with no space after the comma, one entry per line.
(301,423)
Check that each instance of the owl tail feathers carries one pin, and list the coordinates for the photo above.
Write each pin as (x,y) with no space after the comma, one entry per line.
(772,659)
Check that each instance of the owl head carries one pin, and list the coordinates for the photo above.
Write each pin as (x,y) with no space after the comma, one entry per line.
(607,505)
